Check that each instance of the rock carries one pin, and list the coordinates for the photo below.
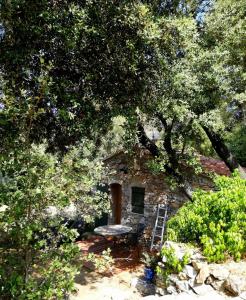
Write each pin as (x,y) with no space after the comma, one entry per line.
(219,272)
(173,278)
(144,287)
(163,261)
(233,285)
(185,296)
(198,265)
(190,271)
(182,286)
(191,282)
(160,291)
(197,256)
(202,289)
(159,282)
(183,276)
(209,280)
(172,290)
(243,296)
(218,285)
(203,274)
(179,249)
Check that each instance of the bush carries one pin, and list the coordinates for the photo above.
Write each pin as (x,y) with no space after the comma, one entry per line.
(171,263)
(216,220)
(150,260)
(38,259)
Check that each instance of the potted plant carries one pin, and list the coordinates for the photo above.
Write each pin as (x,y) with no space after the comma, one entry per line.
(150,262)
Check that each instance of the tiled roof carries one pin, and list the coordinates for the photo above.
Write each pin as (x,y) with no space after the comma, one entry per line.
(214,165)
(210,164)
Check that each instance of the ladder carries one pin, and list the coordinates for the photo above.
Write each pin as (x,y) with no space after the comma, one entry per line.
(160,224)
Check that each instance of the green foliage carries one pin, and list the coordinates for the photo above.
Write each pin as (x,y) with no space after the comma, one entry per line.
(37,252)
(149,260)
(88,62)
(237,143)
(172,264)
(93,54)
(102,263)
(67,68)
(113,140)
(216,220)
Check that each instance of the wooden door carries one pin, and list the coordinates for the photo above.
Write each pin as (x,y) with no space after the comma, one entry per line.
(116,193)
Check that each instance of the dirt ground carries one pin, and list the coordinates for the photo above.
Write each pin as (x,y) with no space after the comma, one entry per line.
(94,286)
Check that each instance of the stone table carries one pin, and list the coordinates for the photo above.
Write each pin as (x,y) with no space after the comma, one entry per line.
(113,230)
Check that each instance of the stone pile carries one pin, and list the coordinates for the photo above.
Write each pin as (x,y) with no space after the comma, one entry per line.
(200,278)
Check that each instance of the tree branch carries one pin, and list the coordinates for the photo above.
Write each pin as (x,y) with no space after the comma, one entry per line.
(146,142)
(223,152)
(171,170)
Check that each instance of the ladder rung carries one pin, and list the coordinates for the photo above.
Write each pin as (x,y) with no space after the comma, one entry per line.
(161,218)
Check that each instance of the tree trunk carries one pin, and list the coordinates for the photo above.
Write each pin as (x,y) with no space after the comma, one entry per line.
(173,159)
(223,152)
(146,142)
(171,170)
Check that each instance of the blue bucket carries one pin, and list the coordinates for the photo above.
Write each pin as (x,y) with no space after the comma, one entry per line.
(148,274)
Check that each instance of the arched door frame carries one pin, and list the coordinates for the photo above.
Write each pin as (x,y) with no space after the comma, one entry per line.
(116,196)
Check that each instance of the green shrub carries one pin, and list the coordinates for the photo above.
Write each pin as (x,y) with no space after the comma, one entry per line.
(38,259)
(216,220)
(149,260)
(172,264)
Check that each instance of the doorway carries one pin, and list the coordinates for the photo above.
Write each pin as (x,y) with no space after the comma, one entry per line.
(116,192)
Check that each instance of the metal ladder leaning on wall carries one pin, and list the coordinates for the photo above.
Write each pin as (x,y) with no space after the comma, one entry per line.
(160,223)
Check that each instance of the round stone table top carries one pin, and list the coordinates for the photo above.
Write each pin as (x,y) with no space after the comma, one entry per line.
(112,230)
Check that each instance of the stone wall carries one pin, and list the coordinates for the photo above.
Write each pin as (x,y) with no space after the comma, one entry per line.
(134,172)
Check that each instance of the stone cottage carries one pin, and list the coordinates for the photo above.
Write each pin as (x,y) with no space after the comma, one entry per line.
(136,190)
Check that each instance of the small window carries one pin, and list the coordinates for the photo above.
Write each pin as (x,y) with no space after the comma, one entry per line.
(138,200)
